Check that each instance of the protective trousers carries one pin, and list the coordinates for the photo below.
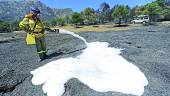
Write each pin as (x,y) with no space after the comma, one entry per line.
(41,47)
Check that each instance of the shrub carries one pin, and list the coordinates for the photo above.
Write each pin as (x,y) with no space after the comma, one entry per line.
(60,21)
(4,27)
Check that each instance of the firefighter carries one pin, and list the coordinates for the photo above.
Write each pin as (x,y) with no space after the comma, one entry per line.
(34,26)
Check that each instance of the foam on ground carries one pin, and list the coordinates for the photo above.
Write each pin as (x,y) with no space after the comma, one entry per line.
(99,66)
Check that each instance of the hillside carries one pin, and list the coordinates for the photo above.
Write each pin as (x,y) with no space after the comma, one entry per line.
(11,10)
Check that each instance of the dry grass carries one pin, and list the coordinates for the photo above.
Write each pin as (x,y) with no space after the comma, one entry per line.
(96,28)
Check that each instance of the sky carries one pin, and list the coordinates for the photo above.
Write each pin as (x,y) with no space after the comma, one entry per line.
(79,5)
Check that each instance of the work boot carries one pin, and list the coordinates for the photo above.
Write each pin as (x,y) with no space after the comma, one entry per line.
(42,57)
(41,60)
(45,55)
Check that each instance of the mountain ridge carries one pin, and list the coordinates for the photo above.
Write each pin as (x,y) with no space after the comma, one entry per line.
(12,10)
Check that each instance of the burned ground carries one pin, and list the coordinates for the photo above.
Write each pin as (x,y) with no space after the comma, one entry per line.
(147,47)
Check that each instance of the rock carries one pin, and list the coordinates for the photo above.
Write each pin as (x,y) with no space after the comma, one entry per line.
(152,31)
(139,46)
(13,37)
(128,43)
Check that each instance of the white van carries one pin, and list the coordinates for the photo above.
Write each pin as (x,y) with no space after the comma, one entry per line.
(141,19)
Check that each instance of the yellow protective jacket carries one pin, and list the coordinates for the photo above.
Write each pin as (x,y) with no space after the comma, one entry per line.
(28,23)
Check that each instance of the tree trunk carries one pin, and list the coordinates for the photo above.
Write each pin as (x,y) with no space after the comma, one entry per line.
(150,19)
(120,21)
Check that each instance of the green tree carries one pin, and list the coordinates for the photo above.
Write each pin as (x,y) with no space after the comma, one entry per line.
(60,21)
(166,13)
(121,12)
(88,12)
(67,19)
(129,14)
(53,22)
(165,9)
(152,9)
(57,21)
(159,9)
(14,26)
(89,15)
(93,18)
(76,18)
(161,3)
(139,10)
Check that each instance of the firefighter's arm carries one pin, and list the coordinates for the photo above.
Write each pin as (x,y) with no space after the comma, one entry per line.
(24,24)
(43,26)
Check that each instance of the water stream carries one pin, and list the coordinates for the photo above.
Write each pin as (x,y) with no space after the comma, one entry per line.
(62,31)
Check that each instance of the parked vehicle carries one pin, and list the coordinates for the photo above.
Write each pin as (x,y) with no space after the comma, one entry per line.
(141,19)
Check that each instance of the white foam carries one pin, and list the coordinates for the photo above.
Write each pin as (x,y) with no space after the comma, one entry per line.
(99,66)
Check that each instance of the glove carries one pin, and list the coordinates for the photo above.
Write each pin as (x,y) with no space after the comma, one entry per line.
(27,28)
